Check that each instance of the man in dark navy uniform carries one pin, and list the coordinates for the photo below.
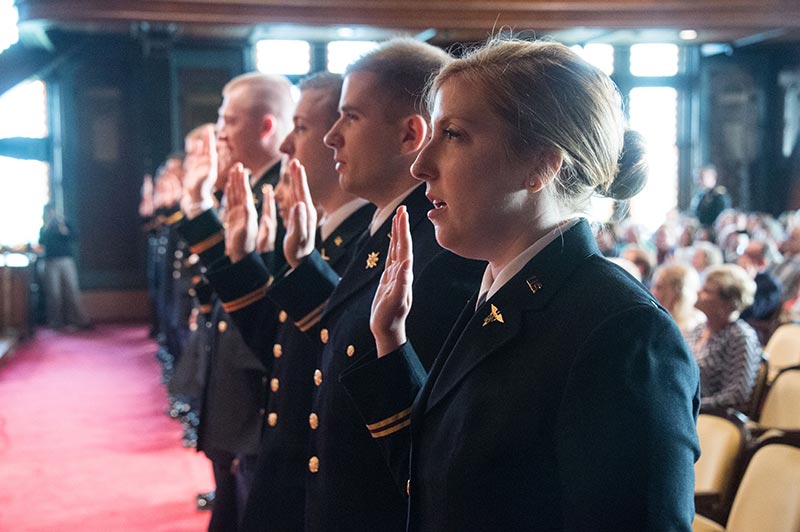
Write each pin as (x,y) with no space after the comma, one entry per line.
(375,140)
(254,117)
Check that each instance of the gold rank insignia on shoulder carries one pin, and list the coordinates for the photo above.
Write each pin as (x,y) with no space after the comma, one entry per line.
(324,256)
(534,284)
(494,315)
(372,260)
(338,241)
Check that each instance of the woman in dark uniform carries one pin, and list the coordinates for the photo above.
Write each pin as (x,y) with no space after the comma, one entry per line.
(565,397)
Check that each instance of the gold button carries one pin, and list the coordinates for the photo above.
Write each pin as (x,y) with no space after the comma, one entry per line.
(313,464)
(323,335)
(222,326)
(313,421)
(193,326)
(408,487)
(272,419)
(274,384)
(282,316)
(317,377)
(351,350)
(277,350)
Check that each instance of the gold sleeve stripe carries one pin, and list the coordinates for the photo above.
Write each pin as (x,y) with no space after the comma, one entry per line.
(205,309)
(311,319)
(209,242)
(391,430)
(178,216)
(389,420)
(247,299)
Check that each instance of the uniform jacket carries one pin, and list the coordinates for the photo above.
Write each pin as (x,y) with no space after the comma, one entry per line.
(232,416)
(277,498)
(566,402)
(349,486)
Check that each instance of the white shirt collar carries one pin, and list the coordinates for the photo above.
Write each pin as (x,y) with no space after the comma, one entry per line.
(490,284)
(333,220)
(381,215)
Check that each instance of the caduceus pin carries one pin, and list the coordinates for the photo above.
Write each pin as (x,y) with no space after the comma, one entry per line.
(494,315)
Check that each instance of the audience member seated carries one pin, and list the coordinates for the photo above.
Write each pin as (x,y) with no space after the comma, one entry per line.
(767,300)
(643,259)
(726,347)
(675,286)
(705,256)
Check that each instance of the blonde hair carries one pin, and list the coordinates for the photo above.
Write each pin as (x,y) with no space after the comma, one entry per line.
(684,282)
(551,98)
(267,94)
(734,285)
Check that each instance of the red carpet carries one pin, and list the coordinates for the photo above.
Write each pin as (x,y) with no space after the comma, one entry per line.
(85,444)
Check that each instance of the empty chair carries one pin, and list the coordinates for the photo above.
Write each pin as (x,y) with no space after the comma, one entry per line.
(783,348)
(768,497)
(781,408)
(722,440)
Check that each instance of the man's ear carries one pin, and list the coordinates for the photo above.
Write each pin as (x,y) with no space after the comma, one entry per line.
(415,133)
(546,165)
(267,126)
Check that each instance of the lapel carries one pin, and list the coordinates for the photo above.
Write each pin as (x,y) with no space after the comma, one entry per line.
(336,246)
(500,319)
(369,260)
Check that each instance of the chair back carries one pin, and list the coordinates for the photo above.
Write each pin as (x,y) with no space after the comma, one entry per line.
(781,408)
(768,497)
(783,348)
(759,389)
(722,439)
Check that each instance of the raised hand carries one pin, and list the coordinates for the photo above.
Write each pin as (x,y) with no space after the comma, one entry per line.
(200,166)
(302,220)
(268,228)
(241,226)
(146,207)
(392,301)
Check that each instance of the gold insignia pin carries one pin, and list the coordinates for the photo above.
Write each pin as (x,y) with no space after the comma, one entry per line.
(534,284)
(325,257)
(338,241)
(372,260)
(494,315)
(264,188)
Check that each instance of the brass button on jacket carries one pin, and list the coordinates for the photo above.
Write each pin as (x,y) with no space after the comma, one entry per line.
(274,384)
(317,377)
(351,350)
(313,421)
(222,326)
(323,336)
(272,419)
(277,350)
(313,464)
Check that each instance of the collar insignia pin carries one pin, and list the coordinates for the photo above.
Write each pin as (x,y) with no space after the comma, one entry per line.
(494,315)
(338,241)
(534,284)
(372,259)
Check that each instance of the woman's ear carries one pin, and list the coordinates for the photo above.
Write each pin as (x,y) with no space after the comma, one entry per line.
(415,133)
(546,165)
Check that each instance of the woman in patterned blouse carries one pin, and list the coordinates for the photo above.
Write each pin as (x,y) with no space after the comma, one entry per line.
(726,348)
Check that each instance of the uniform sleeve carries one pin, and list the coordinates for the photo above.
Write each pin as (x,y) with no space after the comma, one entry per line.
(304,291)
(205,236)
(242,287)
(383,390)
(626,441)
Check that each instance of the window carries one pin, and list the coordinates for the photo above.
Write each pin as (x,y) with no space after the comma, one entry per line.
(654,59)
(24,184)
(342,53)
(654,114)
(8,24)
(290,58)
(597,54)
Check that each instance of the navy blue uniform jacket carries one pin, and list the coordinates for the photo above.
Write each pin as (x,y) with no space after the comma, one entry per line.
(566,402)
(348,485)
